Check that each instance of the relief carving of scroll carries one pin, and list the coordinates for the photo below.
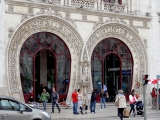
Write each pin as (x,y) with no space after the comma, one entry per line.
(39,23)
(114,20)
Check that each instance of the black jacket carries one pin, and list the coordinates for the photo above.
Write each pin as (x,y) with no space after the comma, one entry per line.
(54,96)
(93,96)
(103,95)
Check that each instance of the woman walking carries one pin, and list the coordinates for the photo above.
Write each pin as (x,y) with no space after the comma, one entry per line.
(120,103)
(93,102)
(103,99)
(132,100)
(44,98)
(80,99)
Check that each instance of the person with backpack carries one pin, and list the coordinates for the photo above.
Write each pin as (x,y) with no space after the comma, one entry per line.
(54,100)
(44,98)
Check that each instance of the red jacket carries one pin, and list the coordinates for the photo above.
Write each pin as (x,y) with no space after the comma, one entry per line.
(154,95)
(74,97)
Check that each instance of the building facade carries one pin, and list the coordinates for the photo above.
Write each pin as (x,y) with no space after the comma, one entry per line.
(82,44)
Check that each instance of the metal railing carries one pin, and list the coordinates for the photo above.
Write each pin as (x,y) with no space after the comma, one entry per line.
(87,4)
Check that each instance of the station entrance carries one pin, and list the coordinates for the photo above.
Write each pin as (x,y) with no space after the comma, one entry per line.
(112,66)
(44,63)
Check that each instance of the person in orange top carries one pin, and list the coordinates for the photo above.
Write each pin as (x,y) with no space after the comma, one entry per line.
(75,101)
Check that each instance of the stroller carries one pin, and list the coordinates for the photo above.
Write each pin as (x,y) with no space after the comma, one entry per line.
(139,108)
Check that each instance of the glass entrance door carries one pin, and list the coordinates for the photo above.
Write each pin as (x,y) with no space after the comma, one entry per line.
(112,75)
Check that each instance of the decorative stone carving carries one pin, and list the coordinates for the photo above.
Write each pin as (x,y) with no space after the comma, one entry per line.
(83,3)
(10,30)
(84,17)
(114,20)
(115,7)
(100,19)
(24,17)
(30,10)
(11,8)
(145,42)
(117,28)
(130,22)
(145,24)
(40,23)
(67,15)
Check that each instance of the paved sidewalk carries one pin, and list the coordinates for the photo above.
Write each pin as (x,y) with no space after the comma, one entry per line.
(109,114)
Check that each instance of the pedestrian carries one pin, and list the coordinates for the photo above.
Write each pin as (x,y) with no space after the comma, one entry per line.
(44,98)
(132,100)
(120,103)
(75,101)
(80,99)
(154,98)
(32,101)
(103,99)
(54,100)
(93,102)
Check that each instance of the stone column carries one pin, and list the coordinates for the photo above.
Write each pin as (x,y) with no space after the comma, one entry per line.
(3,46)
(99,4)
(66,2)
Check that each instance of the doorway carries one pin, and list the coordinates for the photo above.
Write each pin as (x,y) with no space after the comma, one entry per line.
(45,63)
(112,75)
(44,59)
(112,65)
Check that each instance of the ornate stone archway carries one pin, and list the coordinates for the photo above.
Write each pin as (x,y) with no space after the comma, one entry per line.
(41,23)
(127,34)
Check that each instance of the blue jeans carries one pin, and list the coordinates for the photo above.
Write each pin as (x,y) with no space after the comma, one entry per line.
(55,103)
(103,101)
(93,106)
(44,104)
(75,106)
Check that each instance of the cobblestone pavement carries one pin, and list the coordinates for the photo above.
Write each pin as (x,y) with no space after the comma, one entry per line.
(109,114)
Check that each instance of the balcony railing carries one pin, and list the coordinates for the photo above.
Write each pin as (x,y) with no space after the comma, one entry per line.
(87,4)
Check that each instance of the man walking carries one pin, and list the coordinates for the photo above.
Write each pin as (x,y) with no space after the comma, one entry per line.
(54,100)
(75,101)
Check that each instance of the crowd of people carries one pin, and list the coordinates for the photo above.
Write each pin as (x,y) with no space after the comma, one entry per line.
(80,103)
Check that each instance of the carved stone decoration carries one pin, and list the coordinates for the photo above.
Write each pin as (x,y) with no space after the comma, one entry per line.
(145,24)
(100,19)
(145,42)
(67,15)
(47,11)
(84,17)
(10,30)
(96,25)
(114,20)
(40,23)
(24,17)
(11,8)
(115,7)
(127,35)
(56,13)
(30,10)
(130,22)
